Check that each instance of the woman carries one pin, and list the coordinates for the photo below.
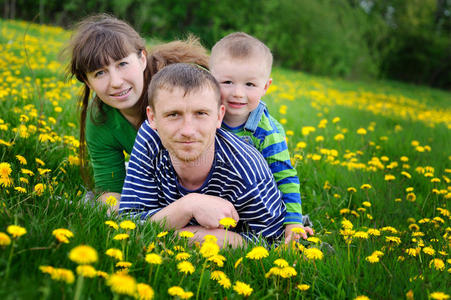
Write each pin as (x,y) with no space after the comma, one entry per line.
(109,57)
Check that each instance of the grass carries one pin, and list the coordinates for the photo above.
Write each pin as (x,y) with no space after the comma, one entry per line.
(407,135)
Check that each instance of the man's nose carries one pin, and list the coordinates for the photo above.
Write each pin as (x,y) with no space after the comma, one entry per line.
(187,126)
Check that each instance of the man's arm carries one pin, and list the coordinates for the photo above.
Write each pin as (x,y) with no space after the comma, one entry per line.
(207,210)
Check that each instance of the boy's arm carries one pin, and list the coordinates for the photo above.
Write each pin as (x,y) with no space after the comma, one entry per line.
(274,148)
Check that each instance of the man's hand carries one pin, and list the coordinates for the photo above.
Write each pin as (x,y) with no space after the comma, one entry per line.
(293,236)
(209,210)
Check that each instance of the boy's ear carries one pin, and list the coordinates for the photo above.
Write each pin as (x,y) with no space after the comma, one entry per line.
(268,83)
(151,117)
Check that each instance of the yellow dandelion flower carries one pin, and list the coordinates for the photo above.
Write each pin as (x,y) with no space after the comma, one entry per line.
(5,240)
(412,251)
(361,297)
(405,174)
(366,204)
(313,253)
(225,282)
(298,230)
(111,201)
(365,186)
(122,284)
(20,189)
(114,253)
(372,259)
(351,189)
(16,231)
(127,225)
(83,255)
(62,235)
(217,259)
(411,197)
(346,224)
(361,235)
(185,267)
(288,272)
(175,291)
(123,264)
(389,177)
(227,222)
(102,274)
(238,262)
(121,236)
(112,224)
(439,296)
(186,234)
(162,234)
(209,249)
(86,271)
(303,287)
(437,263)
(339,137)
(40,162)
(280,262)
(361,131)
(5,169)
(154,259)
(39,189)
(144,291)
(22,160)
(390,228)
(414,227)
(258,252)
(393,239)
(429,250)
(182,256)
(217,275)
(65,275)
(242,288)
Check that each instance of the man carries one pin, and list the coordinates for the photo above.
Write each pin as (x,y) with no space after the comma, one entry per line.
(188,172)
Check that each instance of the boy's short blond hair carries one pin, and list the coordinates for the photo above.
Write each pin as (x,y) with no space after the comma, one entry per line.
(241,45)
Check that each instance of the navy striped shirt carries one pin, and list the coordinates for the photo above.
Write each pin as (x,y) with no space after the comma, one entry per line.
(239,174)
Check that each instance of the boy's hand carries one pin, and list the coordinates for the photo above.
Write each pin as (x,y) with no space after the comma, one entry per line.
(293,236)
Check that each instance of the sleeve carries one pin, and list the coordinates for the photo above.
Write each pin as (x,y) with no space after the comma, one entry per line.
(275,151)
(261,209)
(107,158)
(140,192)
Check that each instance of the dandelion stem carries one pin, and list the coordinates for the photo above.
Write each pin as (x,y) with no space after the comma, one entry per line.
(79,288)
(156,275)
(200,279)
(225,238)
(9,259)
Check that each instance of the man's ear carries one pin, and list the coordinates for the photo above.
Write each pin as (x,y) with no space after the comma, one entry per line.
(221,114)
(151,117)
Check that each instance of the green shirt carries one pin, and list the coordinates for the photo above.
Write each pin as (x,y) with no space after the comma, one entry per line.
(106,145)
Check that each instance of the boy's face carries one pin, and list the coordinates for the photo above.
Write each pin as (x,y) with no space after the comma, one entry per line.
(243,82)
(186,124)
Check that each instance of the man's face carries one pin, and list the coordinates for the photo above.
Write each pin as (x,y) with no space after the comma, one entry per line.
(186,124)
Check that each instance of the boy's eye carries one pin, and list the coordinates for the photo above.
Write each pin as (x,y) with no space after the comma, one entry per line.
(250,84)
(227,82)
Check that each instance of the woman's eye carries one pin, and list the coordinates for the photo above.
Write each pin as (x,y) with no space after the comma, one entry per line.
(123,63)
(99,73)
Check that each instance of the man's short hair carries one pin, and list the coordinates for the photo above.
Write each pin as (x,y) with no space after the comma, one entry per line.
(188,77)
(241,45)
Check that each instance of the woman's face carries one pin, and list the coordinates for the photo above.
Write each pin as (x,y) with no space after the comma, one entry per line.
(120,83)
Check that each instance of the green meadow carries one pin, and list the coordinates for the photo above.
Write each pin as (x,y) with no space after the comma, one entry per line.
(373,158)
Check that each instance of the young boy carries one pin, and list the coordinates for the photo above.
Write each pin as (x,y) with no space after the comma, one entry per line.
(242,66)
